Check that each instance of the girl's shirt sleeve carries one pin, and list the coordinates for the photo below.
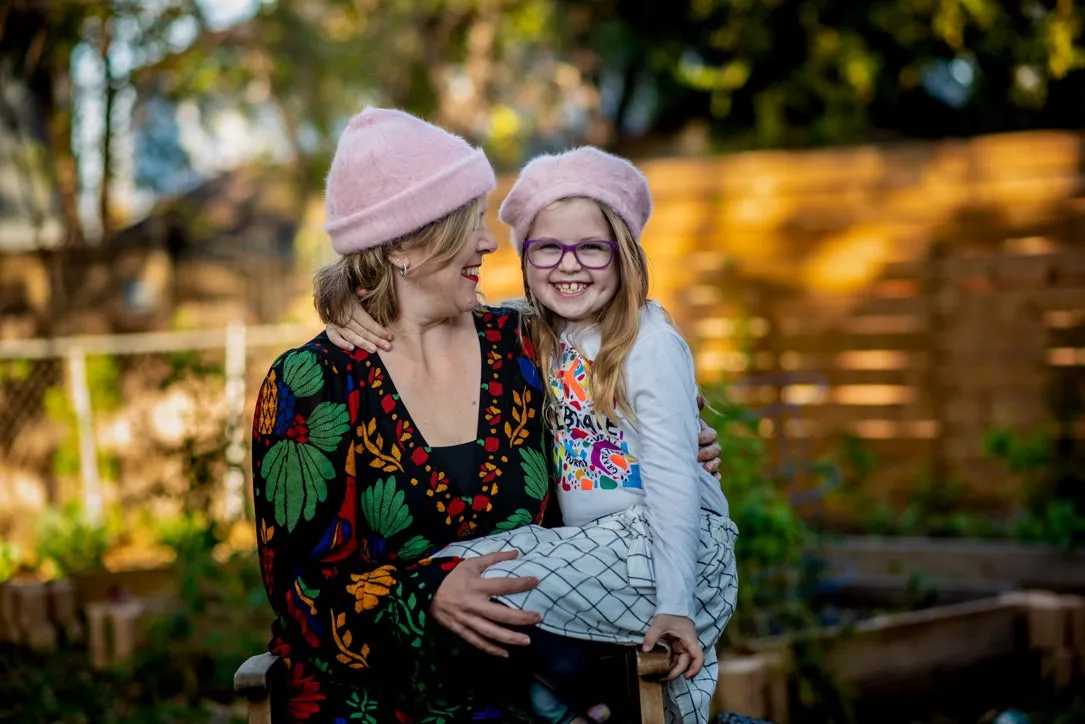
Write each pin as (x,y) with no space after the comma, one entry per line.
(357,608)
(663,393)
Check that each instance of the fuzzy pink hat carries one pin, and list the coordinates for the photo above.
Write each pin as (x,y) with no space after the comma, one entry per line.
(394,173)
(587,172)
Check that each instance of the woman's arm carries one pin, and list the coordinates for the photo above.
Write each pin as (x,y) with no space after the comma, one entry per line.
(356,606)
(328,590)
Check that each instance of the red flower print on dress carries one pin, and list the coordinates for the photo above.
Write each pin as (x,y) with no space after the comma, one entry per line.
(358,354)
(481,502)
(491,444)
(496,388)
(388,403)
(354,401)
(299,430)
(493,335)
(419,456)
(305,694)
(455,507)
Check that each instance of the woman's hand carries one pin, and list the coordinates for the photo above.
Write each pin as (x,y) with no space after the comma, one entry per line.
(463,605)
(679,630)
(361,330)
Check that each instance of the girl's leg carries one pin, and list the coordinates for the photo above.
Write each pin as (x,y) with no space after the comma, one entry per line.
(571,678)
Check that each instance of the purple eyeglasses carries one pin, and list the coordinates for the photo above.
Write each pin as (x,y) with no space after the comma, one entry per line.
(590,254)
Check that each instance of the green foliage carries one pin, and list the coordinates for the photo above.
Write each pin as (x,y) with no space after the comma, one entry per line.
(799,72)
(104,385)
(10,559)
(1022,454)
(935,507)
(1059,524)
(773,539)
(1028,459)
(1044,517)
(70,542)
(62,687)
(221,617)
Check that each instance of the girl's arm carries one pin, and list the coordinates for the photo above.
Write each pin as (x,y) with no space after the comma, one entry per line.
(663,394)
(361,330)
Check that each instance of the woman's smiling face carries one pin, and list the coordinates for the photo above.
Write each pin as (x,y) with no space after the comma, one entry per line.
(569,289)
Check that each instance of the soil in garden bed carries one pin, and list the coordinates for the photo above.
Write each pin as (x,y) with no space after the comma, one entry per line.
(957,696)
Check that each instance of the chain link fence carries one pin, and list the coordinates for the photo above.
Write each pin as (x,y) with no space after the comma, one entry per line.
(154,424)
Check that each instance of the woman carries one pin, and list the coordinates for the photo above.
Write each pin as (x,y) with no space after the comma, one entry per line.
(364,464)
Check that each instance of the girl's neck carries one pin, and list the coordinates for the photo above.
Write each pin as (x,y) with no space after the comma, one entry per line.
(573,327)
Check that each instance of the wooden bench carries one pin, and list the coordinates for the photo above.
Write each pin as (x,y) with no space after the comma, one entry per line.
(254,681)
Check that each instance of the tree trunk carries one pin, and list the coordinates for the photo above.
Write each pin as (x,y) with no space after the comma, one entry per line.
(110,93)
(56,108)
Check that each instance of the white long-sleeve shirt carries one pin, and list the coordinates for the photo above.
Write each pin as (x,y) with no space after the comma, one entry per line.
(604,468)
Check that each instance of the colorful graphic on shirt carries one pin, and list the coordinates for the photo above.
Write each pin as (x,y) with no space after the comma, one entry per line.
(590,453)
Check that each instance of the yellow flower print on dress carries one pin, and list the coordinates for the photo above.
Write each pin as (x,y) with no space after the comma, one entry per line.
(269,404)
(368,588)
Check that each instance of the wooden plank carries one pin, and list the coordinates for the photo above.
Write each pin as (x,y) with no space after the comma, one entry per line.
(1045,299)
(1025,566)
(1069,337)
(841,342)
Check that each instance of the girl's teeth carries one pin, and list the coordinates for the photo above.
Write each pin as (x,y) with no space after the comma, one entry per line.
(471,271)
(570,287)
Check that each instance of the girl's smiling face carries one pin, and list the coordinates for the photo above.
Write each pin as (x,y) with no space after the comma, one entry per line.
(569,289)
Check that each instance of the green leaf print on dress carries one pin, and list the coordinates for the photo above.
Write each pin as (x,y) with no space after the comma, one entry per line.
(295,475)
(517,519)
(536,481)
(302,373)
(414,548)
(327,423)
(385,509)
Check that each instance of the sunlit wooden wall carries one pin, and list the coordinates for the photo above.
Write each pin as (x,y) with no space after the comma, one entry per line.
(910,295)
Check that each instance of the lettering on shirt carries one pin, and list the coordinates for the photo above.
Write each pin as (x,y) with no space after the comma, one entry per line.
(591,453)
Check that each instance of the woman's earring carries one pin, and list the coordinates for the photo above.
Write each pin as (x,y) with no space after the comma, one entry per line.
(404,268)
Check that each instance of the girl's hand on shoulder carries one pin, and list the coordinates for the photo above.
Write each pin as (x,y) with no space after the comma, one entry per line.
(708,450)
(361,330)
(463,604)
(679,630)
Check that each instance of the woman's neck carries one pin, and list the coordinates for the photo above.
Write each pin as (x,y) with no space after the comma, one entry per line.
(416,335)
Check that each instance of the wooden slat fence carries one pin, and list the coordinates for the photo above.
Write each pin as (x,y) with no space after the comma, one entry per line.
(912,296)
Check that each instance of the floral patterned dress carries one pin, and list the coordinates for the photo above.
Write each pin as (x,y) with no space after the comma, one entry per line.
(349,504)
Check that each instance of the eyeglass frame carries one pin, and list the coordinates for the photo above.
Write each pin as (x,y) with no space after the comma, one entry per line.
(566,248)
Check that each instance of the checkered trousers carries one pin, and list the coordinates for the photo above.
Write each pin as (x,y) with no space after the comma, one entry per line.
(596,583)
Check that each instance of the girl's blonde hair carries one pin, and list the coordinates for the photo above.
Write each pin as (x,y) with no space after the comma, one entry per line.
(618,321)
(335,285)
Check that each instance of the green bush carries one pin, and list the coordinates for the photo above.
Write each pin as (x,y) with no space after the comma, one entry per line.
(221,618)
(774,569)
(70,542)
(1044,516)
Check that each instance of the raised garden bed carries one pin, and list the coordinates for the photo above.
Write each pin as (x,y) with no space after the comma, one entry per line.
(40,614)
(951,562)
(1035,639)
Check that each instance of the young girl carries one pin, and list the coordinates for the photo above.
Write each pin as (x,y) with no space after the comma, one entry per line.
(647,550)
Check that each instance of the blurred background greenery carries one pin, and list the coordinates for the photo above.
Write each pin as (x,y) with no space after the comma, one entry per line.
(161,166)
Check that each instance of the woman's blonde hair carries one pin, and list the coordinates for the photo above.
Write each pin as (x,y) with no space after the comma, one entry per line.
(335,285)
(618,322)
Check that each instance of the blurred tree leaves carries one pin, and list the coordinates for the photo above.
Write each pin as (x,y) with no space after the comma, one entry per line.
(524,76)
(801,72)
